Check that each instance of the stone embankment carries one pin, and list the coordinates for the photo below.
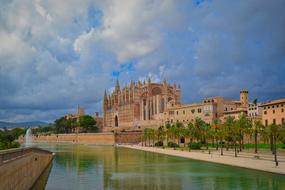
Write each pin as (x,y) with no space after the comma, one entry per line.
(250,163)
(20,168)
(89,138)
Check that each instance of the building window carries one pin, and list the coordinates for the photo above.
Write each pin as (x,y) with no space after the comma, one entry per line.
(266,122)
(193,111)
(273,111)
(199,110)
(274,121)
(265,112)
(273,106)
(176,112)
(184,112)
(283,120)
(277,106)
(282,110)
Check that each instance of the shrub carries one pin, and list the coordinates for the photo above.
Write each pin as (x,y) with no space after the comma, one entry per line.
(172,145)
(159,143)
(195,146)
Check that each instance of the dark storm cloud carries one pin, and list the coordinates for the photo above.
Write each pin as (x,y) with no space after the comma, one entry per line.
(54,55)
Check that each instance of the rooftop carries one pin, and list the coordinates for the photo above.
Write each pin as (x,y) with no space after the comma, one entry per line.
(273,102)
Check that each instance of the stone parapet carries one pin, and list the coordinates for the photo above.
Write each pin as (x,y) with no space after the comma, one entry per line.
(20,168)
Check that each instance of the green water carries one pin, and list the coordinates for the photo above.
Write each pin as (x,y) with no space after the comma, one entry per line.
(103,167)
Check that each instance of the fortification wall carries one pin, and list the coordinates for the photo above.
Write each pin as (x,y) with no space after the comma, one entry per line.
(128,137)
(20,168)
(88,138)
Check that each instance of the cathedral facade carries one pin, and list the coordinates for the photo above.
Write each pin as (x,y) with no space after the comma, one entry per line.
(138,105)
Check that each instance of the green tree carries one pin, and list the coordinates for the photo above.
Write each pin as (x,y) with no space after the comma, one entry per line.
(191,133)
(7,139)
(277,132)
(243,124)
(232,131)
(257,128)
(88,123)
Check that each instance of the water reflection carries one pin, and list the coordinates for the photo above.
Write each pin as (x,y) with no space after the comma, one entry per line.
(103,167)
(42,181)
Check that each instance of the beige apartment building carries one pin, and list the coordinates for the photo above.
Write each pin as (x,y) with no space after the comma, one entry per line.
(273,112)
(254,111)
(208,110)
(185,113)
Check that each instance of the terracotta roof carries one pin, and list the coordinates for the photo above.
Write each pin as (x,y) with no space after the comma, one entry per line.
(235,111)
(273,102)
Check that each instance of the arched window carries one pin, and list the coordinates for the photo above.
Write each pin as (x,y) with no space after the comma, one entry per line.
(116,121)
(162,105)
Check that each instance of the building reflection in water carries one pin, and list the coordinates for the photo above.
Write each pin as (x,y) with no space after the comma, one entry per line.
(106,167)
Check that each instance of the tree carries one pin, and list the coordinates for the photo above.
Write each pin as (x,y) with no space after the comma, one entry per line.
(277,132)
(215,127)
(88,123)
(167,127)
(63,125)
(8,137)
(178,131)
(232,130)
(243,124)
(190,130)
(257,128)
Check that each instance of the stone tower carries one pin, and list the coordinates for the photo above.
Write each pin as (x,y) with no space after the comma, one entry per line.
(244,97)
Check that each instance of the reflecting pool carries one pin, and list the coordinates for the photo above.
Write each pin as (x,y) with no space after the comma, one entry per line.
(106,167)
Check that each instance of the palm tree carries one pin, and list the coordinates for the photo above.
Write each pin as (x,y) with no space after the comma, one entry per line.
(215,127)
(184,133)
(243,124)
(221,132)
(178,131)
(190,129)
(232,129)
(146,136)
(198,123)
(205,133)
(257,128)
(167,127)
(160,133)
(152,135)
(277,132)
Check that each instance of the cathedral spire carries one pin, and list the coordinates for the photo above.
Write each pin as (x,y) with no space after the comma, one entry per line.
(117,88)
(105,95)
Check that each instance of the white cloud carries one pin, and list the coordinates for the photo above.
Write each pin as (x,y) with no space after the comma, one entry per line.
(131,29)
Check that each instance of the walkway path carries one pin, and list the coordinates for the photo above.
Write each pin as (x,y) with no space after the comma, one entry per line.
(251,163)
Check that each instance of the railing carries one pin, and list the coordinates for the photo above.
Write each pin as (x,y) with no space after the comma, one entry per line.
(12,154)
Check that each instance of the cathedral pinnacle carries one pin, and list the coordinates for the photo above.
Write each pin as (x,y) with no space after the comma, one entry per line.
(117,88)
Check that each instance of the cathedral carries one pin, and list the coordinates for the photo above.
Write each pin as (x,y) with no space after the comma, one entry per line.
(138,105)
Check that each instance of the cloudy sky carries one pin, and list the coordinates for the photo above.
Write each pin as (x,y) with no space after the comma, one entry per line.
(57,54)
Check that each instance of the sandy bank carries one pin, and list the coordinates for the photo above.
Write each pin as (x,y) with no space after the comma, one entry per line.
(250,163)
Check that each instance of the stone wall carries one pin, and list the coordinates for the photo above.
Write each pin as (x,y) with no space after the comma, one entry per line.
(128,137)
(90,138)
(20,168)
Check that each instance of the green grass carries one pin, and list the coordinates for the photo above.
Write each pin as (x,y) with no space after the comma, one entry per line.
(259,146)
